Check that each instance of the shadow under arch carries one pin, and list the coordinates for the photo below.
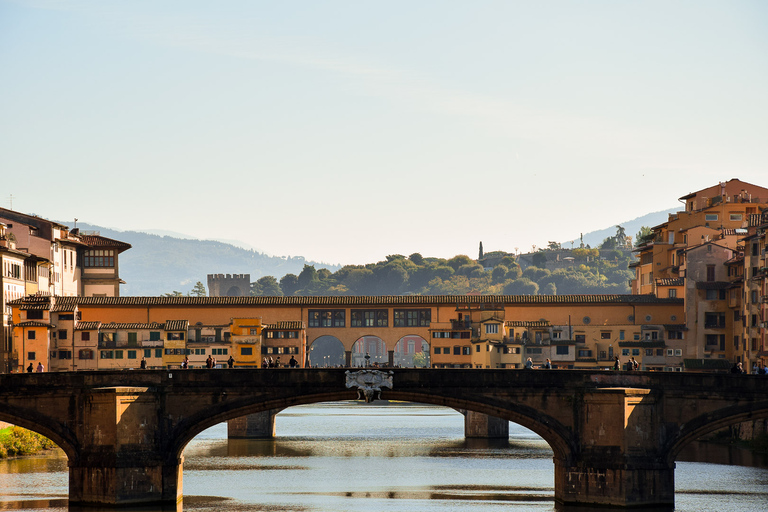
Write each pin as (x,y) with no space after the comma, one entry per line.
(556,435)
(56,432)
(711,422)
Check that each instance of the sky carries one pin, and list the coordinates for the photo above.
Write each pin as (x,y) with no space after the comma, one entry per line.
(344,131)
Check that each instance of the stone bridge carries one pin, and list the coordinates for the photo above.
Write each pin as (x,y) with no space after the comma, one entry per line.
(615,435)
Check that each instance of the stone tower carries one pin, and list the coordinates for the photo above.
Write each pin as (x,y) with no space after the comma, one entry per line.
(229,285)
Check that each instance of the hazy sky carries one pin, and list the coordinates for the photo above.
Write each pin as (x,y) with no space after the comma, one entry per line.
(344,131)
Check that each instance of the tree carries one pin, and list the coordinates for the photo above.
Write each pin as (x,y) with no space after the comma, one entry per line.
(499,273)
(459,260)
(539,260)
(289,283)
(266,286)
(198,290)
(307,276)
(522,286)
(417,258)
(643,236)
(173,294)
(553,246)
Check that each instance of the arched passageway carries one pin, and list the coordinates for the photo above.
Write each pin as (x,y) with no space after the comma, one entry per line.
(411,352)
(326,352)
(374,348)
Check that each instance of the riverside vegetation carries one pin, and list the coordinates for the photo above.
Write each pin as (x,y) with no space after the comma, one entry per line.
(16,441)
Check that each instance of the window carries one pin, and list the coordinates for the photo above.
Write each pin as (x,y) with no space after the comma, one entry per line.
(31,335)
(221,351)
(670,352)
(649,352)
(466,350)
(625,351)
(621,335)
(326,318)
(710,273)
(246,351)
(635,351)
(678,352)
(99,258)
(672,293)
(605,335)
(65,354)
(107,354)
(369,318)
(710,217)
(85,354)
(154,335)
(85,336)
(175,336)
(147,352)
(585,353)
(158,352)
(714,320)
(457,350)
(735,217)
(132,338)
(118,354)
(62,334)
(131,354)
(561,350)
(412,317)
(491,328)
(581,338)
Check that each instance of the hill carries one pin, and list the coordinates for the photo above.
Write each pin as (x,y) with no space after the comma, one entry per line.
(631,227)
(161,264)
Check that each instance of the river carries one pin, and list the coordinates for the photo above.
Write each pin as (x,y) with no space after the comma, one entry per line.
(348,456)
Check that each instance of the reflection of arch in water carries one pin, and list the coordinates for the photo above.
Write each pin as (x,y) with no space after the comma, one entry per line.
(411,351)
(326,352)
(374,347)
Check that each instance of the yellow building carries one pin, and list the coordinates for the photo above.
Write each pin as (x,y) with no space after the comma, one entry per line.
(246,342)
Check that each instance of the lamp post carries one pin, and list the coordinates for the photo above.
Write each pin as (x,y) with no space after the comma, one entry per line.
(367,358)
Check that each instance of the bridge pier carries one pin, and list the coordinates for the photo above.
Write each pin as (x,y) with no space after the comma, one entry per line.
(253,426)
(482,426)
(619,462)
(121,463)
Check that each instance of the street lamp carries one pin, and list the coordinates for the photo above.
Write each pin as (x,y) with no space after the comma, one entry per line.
(367,358)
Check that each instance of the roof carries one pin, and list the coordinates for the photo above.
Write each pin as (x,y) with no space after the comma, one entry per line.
(33,323)
(87,326)
(176,325)
(59,307)
(102,241)
(380,300)
(524,323)
(666,281)
(293,325)
(118,325)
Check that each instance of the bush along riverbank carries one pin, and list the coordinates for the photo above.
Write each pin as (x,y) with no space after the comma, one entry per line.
(17,441)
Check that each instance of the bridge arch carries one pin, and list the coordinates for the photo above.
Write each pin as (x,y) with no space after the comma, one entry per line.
(713,421)
(372,346)
(557,436)
(42,425)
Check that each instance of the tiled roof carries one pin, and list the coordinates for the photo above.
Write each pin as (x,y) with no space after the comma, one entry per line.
(294,325)
(33,323)
(666,281)
(176,325)
(102,241)
(118,325)
(87,326)
(523,323)
(381,300)
(66,307)
(35,307)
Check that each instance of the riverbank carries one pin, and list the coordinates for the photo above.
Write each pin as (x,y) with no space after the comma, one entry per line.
(17,441)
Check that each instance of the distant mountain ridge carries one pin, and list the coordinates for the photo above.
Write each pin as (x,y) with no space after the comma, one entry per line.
(160,263)
(631,227)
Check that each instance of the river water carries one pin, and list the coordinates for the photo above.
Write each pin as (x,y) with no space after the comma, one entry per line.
(348,456)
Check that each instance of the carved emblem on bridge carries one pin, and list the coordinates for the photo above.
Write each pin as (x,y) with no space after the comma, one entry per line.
(369,383)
